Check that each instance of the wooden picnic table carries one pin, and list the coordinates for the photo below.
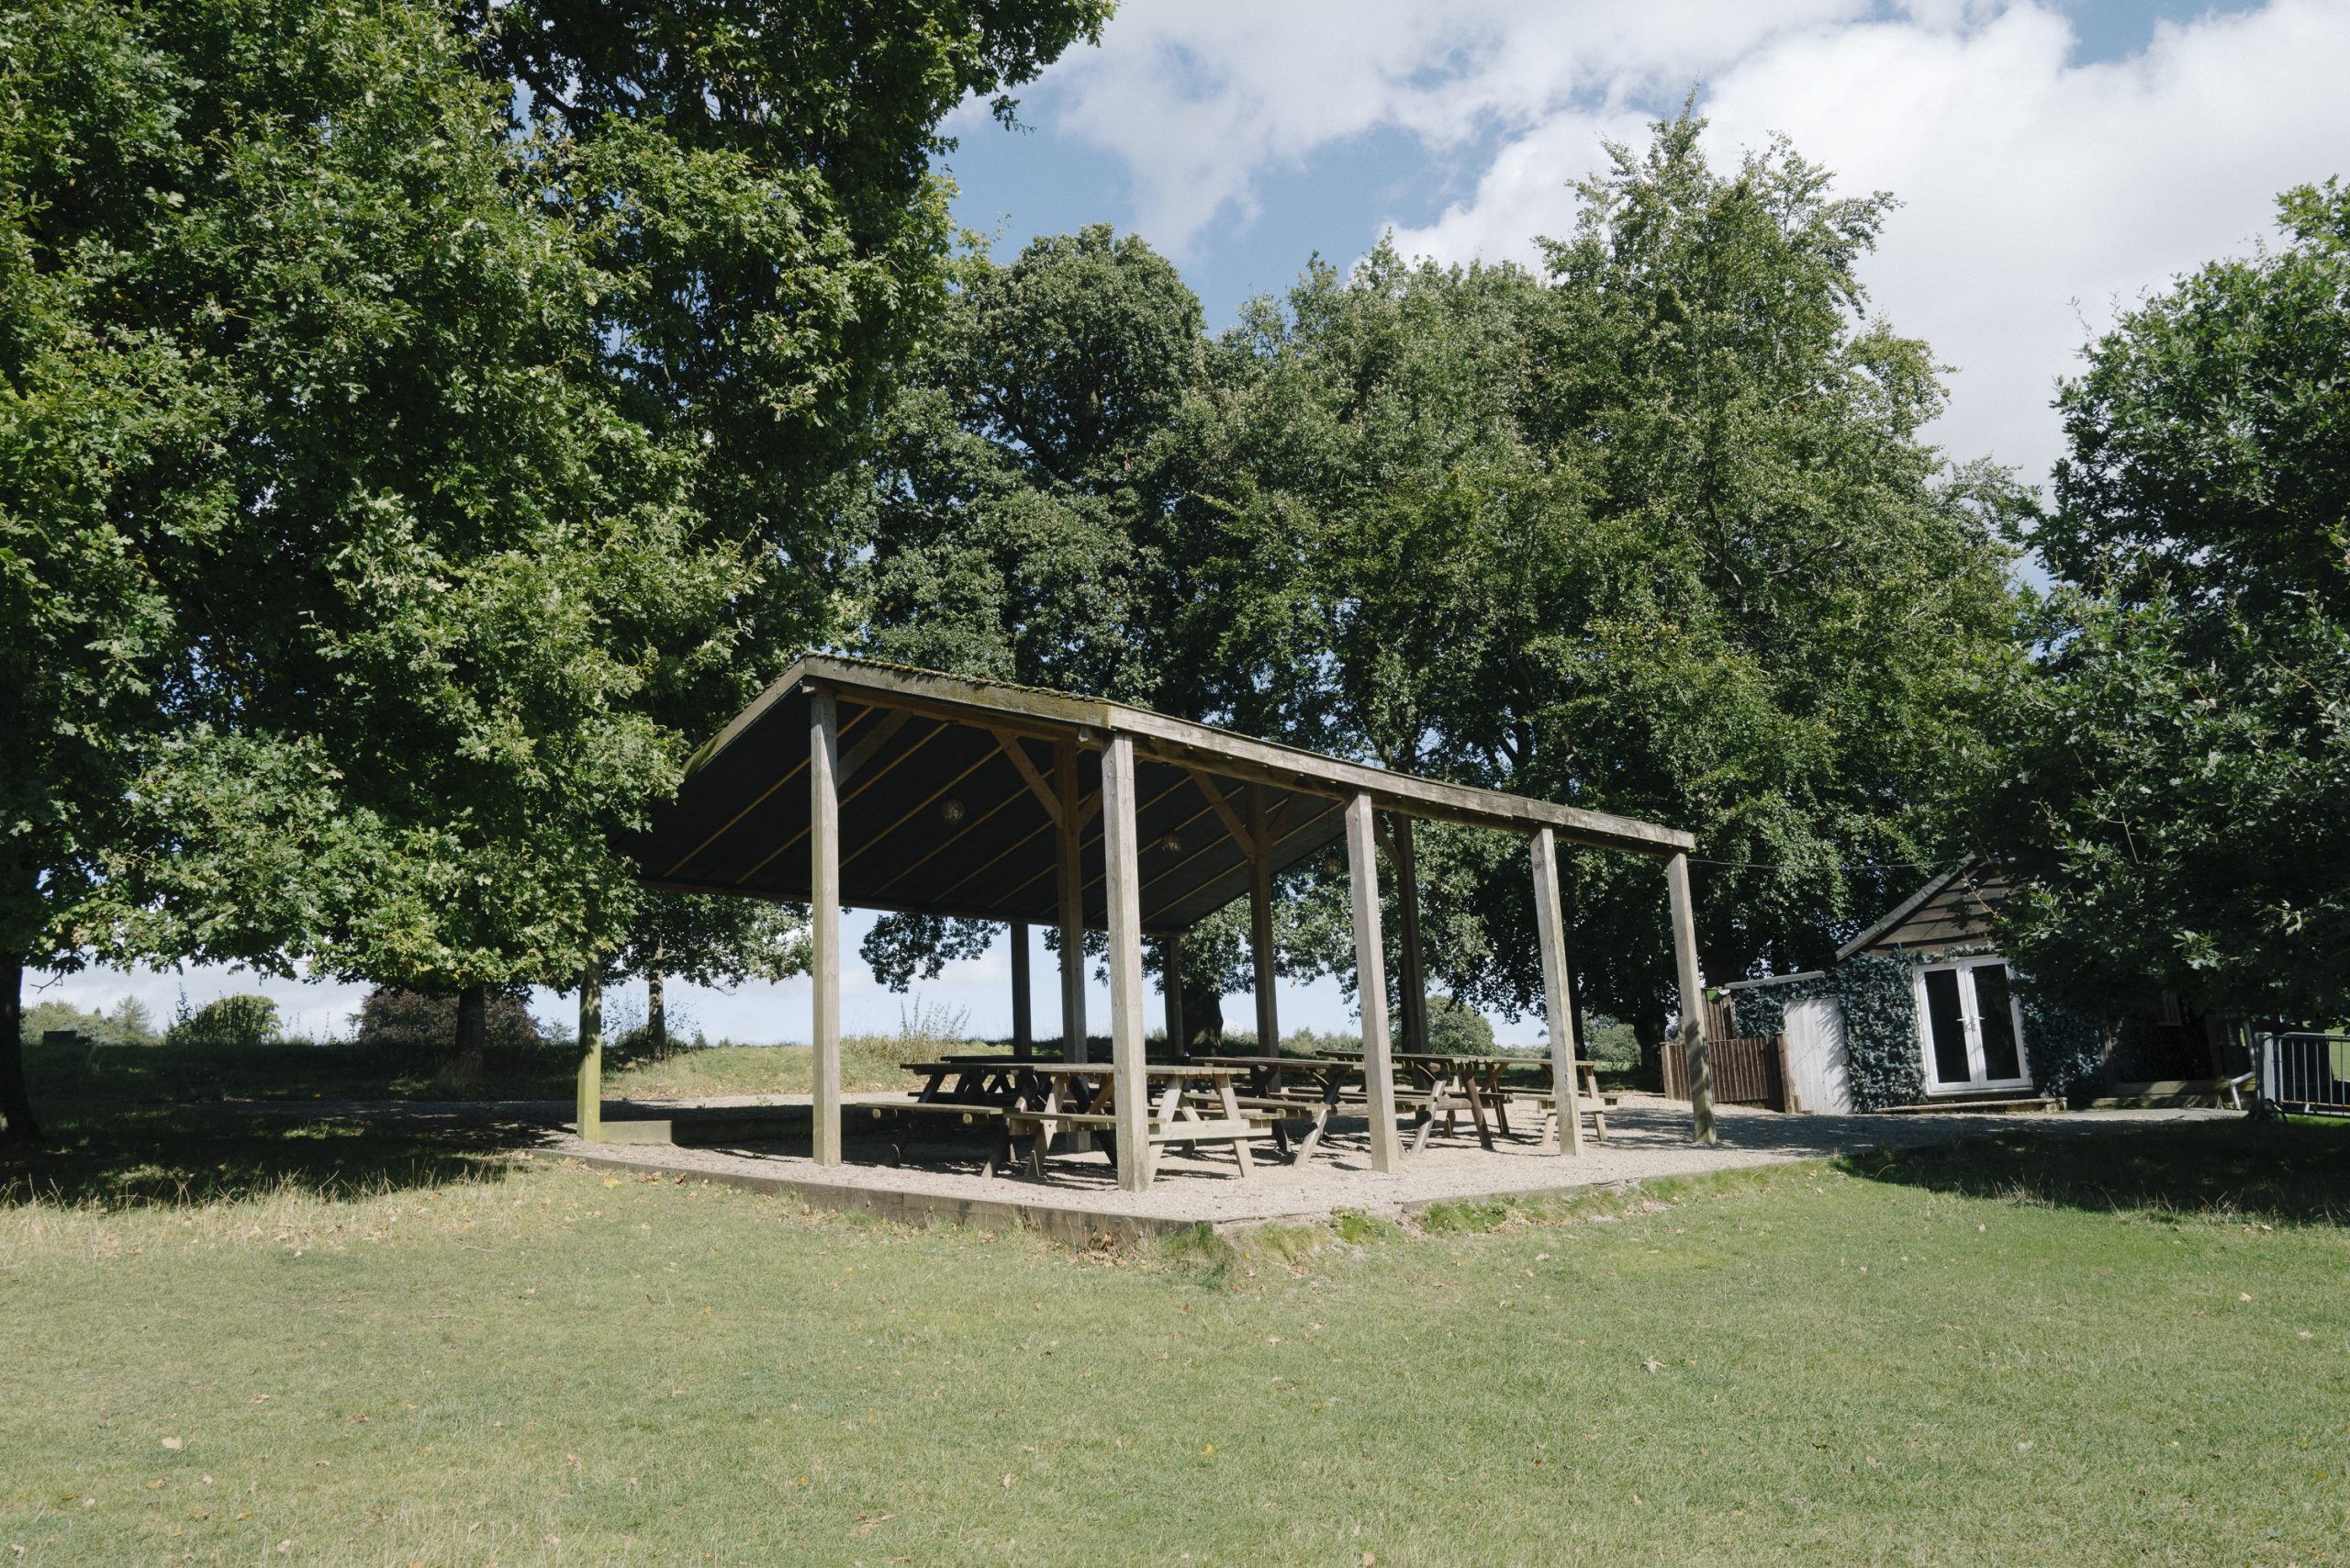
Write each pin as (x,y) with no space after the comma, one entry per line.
(1455,1083)
(1266,1092)
(1044,1099)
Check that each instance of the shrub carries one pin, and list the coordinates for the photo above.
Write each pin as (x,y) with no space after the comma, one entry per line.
(1456,1029)
(422,1025)
(1610,1042)
(128,1025)
(229,1024)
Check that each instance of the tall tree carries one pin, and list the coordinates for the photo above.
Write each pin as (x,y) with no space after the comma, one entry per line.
(1016,497)
(105,424)
(2180,757)
(1654,532)
(468,391)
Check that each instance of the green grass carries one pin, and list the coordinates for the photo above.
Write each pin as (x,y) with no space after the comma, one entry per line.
(125,1075)
(2131,1351)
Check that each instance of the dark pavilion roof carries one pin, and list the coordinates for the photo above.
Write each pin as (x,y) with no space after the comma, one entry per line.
(943,788)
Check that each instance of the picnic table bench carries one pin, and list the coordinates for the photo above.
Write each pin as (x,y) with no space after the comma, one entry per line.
(1268,1091)
(1447,1085)
(1039,1099)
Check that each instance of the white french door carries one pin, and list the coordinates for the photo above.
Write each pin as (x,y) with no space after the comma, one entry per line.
(1970,1026)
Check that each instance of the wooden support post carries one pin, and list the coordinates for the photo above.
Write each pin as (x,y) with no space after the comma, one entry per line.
(1697,1051)
(1071,864)
(591,1055)
(1023,1029)
(1371,988)
(1261,923)
(1122,857)
(1407,910)
(825,919)
(1171,978)
(1557,996)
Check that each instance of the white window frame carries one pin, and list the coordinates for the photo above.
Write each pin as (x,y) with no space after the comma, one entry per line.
(1970,1021)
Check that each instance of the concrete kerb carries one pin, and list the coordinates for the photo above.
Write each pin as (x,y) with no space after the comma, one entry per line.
(1078,1227)
(1074,1226)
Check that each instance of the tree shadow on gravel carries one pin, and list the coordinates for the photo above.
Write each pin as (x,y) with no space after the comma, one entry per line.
(200,1155)
(2268,1172)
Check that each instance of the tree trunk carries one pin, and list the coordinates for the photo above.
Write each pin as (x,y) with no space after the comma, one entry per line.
(1202,1020)
(16,1123)
(473,1034)
(656,1009)
(1648,1027)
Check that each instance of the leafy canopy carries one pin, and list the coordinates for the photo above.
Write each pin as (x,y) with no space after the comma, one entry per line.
(2180,757)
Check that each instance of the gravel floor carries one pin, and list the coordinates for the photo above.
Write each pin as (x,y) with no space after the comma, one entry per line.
(1647,1138)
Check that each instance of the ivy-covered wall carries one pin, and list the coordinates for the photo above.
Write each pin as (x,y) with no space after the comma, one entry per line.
(1884,1064)
(1881,1061)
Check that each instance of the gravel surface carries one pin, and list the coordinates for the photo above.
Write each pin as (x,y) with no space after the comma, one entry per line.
(1647,1138)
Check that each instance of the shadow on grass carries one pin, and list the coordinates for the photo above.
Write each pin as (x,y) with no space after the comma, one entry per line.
(2276,1174)
(123,1156)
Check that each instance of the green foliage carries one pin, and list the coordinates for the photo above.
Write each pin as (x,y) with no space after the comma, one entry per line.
(2065,1048)
(412,426)
(396,1024)
(130,1023)
(1883,1065)
(1654,532)
(1457,1029)
(1610,1042)
(229,1023)
(2180,757)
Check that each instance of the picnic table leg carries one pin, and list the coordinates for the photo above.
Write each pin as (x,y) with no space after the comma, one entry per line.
(1501,1102)
(1321,1123)
(1168,1102)
(1232,1113)
(1477,1110)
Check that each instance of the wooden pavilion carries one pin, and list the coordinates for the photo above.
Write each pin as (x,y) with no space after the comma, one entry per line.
(848,781)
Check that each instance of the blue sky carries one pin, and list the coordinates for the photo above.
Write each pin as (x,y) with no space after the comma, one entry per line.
(2056,162)
(1050,177)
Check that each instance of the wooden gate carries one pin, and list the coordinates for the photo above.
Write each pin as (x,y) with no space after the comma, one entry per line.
(1748,1069)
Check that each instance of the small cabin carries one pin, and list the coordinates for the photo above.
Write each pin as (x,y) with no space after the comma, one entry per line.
(1971,1036)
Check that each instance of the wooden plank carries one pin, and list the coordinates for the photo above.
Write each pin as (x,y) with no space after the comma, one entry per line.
(1023,1028)
(1070,868)
(1223,808)
(1261,922)
(1371,988)
(1698,1059)
(1017,750)
(1171,981)
(1122,852)
(862,752)
(1053,716)
(1558,997)
(879,773)
(1407,937)
(824,921)
(756,801)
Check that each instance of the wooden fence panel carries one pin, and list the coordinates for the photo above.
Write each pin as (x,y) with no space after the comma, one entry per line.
(1748,1070)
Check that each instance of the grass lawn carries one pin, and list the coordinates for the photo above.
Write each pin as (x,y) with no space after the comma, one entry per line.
(2131,1351)
(129,1075)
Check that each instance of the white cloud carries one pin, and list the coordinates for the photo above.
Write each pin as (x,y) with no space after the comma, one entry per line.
(2039,191)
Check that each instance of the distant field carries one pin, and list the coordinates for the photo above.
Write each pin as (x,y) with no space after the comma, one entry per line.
(2135,1350)
(161,1074)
